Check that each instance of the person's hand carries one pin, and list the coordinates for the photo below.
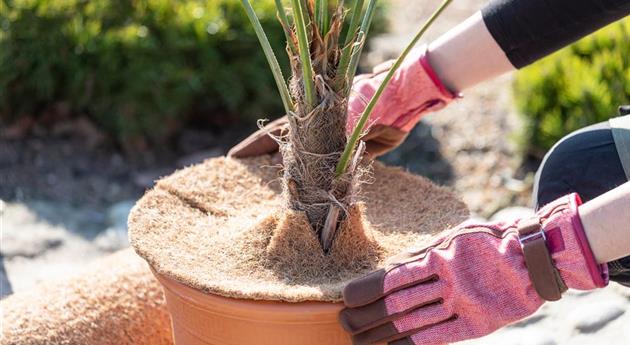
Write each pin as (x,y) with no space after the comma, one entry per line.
(413,91)
(474,280)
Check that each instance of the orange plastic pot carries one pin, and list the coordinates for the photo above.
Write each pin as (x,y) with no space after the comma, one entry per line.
(201,318)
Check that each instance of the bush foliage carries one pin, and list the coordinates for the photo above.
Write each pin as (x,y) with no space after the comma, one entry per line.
(575,87)
(137,68)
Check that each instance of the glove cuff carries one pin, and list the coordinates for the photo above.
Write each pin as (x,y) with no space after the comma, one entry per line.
(426,65)
(418,77)
(568,245)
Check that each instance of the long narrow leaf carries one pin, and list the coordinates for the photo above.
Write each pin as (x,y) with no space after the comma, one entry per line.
(346,52)
(354,138)
(318,18)
(271,57)
(323,20)
(282,15)
(305,54)
(363,33)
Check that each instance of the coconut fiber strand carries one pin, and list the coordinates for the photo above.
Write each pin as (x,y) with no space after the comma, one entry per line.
(222,227)
(115,301)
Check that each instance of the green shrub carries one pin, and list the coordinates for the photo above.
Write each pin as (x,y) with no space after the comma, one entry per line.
(139,69)
(575,87)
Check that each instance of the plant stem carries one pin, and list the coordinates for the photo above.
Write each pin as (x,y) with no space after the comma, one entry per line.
(346,52)
(317,14)
(282,14)
(324,20)
(305,54)
(354,138)
(271,58)
(365,28)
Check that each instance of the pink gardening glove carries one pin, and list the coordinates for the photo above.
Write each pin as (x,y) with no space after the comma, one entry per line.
(414,90)
(472,281)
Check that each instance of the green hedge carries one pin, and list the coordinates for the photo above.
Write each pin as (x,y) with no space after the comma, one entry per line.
(575,87)
(137,68)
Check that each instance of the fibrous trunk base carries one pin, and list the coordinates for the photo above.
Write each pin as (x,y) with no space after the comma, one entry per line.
(315,142)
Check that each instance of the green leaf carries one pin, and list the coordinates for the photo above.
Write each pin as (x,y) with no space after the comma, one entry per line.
(354,138)
(305,54)
(271,57)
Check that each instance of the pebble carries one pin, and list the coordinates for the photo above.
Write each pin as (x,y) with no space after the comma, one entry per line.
(591,317)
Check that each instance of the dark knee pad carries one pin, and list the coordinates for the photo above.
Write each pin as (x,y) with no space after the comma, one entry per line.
(585,161)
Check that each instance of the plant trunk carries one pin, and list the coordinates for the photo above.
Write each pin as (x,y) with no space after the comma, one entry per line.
(315,142)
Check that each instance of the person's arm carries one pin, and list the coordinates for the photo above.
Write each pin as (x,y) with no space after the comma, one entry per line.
(606,221)
(509,34)
(484,58)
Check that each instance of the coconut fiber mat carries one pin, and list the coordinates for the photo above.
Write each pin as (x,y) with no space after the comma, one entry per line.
(113,301)
(221,227)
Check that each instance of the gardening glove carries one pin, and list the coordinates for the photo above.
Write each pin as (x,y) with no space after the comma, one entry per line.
(474,280)
(413,91)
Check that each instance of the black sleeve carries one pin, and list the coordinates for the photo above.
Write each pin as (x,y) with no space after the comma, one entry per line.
(528,30)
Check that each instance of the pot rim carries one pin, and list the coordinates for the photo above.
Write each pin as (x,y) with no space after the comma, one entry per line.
(248,309)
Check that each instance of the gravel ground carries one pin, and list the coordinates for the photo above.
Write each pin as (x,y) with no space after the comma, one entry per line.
(63,207)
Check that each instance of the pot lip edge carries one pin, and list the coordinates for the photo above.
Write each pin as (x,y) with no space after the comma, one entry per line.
(200,298)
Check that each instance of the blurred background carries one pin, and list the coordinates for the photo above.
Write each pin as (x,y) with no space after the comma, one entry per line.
(100,98)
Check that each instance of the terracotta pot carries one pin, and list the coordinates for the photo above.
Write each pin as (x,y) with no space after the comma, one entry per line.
(200,318)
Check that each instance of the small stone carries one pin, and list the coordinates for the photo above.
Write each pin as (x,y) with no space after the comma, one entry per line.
(512,213)
(592,317)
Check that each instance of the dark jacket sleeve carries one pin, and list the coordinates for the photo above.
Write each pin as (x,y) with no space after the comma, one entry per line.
(528,30)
